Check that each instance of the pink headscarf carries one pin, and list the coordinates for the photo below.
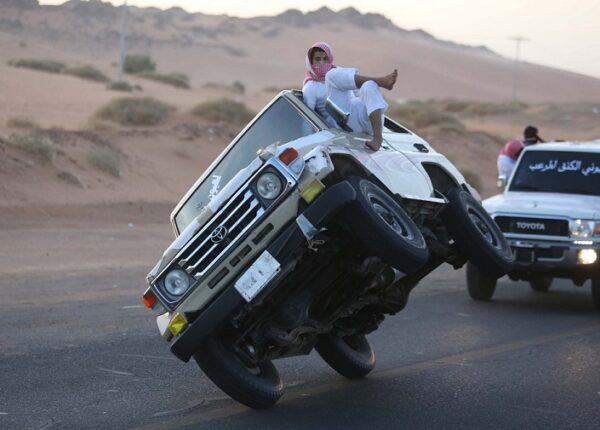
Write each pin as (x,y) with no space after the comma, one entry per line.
(317,72)
(512,149)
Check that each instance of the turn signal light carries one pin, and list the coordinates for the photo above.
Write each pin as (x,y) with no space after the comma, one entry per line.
(149,299)
(597,229)
(288,156)
(177,324)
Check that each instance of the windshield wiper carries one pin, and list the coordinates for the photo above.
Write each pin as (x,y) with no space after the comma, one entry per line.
(524,187)
(577,191)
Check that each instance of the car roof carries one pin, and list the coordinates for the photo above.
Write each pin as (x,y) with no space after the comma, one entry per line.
(584,146)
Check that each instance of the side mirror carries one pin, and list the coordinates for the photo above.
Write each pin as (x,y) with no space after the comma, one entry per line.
(338,114)
(502,181)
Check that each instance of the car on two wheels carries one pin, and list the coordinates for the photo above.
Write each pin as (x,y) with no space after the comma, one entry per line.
(298,237)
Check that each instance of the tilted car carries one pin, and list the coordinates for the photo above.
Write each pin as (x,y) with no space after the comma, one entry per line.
(298,237)
(550,215)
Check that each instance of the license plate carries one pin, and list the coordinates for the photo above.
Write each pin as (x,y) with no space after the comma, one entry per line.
(257,276)
(524,255)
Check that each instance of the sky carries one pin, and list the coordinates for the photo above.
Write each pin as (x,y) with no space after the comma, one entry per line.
(558,33)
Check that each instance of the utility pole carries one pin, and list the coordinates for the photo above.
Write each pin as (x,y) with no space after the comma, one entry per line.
(518,40)
(122,41)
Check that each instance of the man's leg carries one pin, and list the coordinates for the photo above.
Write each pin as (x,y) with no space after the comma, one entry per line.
(374,105)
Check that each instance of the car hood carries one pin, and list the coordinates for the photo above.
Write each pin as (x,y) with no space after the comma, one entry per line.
(554,204)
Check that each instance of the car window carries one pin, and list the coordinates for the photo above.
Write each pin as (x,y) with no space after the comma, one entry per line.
(281,122)
(558,172)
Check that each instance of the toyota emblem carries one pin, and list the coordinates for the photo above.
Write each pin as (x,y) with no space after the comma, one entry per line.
(218,234)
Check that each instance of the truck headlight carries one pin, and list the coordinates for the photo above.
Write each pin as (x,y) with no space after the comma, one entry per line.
(580,228)
(269,186)
(177,282)
(587,256)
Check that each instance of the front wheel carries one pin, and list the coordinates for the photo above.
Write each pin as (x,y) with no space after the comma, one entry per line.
(249,381)
(476,234)
(481,285)
(351,356)
(540,284)
(596,292)
(385,228)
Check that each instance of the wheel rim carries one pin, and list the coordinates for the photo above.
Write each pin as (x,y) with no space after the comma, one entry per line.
(484,228)
(391,219)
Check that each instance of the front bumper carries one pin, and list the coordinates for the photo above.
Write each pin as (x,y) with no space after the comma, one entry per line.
(223,307)
(554,258)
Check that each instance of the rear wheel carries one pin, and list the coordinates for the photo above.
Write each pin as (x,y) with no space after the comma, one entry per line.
(385,228)
(540,283)
(476,234)
(596,292)
(481,285)
(249,381)
(351,356)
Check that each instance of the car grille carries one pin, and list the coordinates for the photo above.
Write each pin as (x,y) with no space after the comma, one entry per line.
(536,226)
(224,230)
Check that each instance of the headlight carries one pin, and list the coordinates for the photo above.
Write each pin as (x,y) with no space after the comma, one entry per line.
(269,186)
(580,228)
(177,282)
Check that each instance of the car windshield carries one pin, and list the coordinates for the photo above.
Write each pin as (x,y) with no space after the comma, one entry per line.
(281,122)
(558,172)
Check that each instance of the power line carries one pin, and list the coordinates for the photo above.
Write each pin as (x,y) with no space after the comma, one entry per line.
(518,40)
(123,32)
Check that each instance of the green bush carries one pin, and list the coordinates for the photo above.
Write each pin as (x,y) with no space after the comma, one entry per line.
(135,111)
(106,159)
(224,110)
(43,65)
(138,63)
(120,86)
(178,80)
(87,72)
(33,144)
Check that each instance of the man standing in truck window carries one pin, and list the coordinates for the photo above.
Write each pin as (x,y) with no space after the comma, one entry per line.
(354,93)
(531,136)
(507,157)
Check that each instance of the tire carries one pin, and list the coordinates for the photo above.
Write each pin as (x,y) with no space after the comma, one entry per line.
(596,292)
(476,234)
(541,284)
(385,228)
(351,356)
(481,285)
(257,386)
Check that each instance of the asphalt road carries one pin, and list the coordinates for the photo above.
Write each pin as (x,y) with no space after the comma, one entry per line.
(79,351)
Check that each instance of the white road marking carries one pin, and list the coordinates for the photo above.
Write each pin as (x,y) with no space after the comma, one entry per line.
(132,307)
(116,372)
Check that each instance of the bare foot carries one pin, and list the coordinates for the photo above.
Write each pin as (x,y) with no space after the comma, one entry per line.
(388,81)
(374,144)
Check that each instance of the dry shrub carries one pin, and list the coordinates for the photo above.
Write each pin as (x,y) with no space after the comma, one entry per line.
(50,66)
(417,115)
(120,86)
(174,79)
(86,72)
(225,110)
(22,122)
(138,63)
(70,178)
(129,111)
(106,159)
(36,145)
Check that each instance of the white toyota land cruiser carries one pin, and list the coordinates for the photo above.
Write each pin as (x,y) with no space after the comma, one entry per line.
(550,214)
(309,244)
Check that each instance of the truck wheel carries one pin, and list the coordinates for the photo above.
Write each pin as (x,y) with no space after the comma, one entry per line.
(596,292)
(350,356)
(254,383)
(385,228)
(476,234)
(481,285)
(540,283)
